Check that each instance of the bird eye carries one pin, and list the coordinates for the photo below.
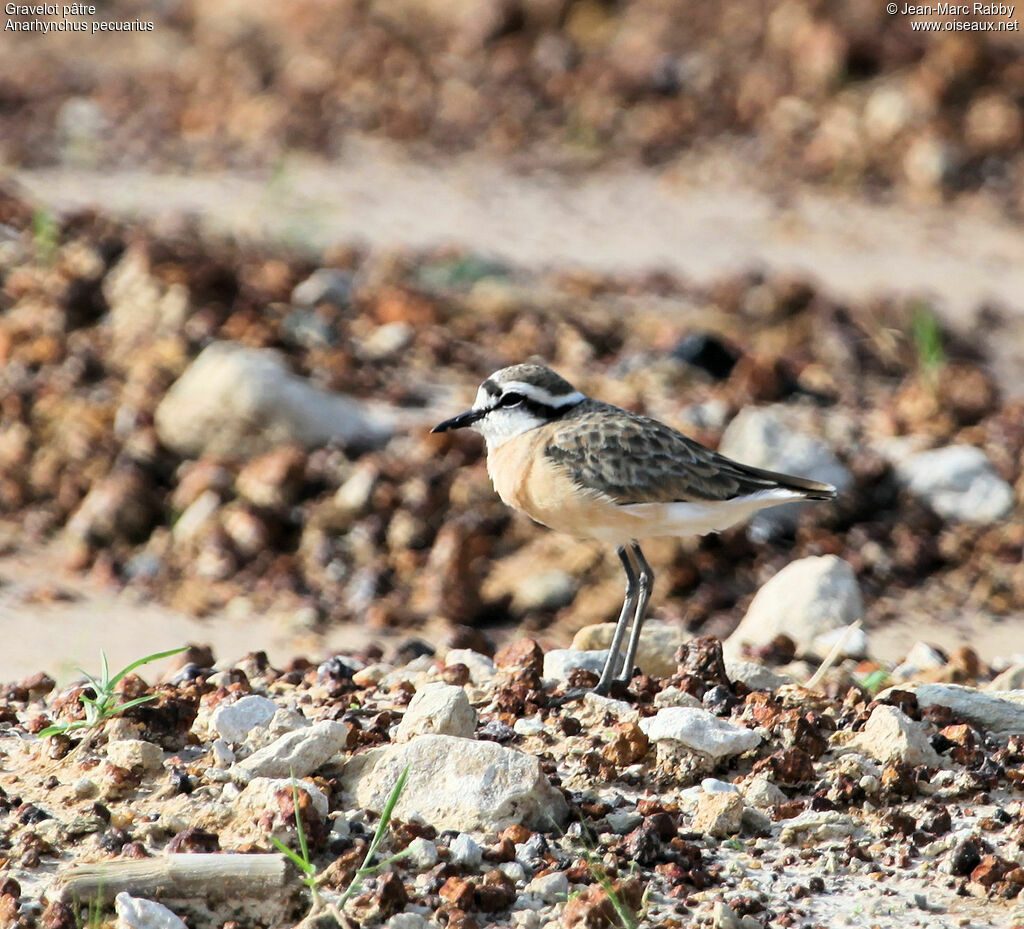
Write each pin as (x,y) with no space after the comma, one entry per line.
(511,399)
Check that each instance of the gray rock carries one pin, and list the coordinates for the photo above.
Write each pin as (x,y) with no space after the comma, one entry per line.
(1000,713)
(234,400)
(761,793)
(656,652)
(465,853)
(891,736)
(296,753)
(1010,679)
(622,822)
(139,913)
(457,784)
(674,696)
(421,854)
(551,888)
(407,921)
(545,590)
(136,753)
(325,285)
(764,437)
(700,731)
(958,482)
(805,599)
(441,709)
(232,721)
(812,824)
(560,662)
(755,676)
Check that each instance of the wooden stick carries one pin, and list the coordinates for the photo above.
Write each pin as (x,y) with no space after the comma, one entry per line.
(174,877)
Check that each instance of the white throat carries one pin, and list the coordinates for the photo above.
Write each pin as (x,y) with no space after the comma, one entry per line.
(499,426)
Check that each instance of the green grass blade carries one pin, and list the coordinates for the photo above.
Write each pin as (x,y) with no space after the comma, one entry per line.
(117,678)
(105,672)
(304,866)
(128,704)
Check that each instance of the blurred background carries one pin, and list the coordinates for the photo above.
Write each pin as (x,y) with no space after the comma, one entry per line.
(249,257)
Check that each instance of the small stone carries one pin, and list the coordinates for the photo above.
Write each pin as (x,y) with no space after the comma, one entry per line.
(763,437)
(544,590)
(421,854)
(233,721)
(223,756)
(138,913)
(811,825)
(551,888)
(325,285)
(754,675)
(296,753)
(700,731)
(497,786)
(234,400)
(921,657)
(560,662)
(622,822)
(724,916)
(136,753)
(481,668)
(718,814)
(464,852)
(1010,679)
(712,785)
(674,696)
(761,793)
(529,725)
(805,599)
(655,653)
(407,921)
(441,709)
(892,737)
(958,482)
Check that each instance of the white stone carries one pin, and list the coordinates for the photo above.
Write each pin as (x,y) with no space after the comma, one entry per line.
(560,662)
(296,753)
(891,736)
(136,753)
(513,870)
(656,652)
(234,400)
(958,482)
(805,599)
(921,657)
(456,783)
(139,913)
(464,852)
(1000,713)
(700,731)
(528,725)
(421,853)
(812,824)
(766,438)
(712,785)
(441,709)
(232,721)
(675,696)
(407,921)
(551,888)
(223,756)
(761,793)
(755,676)
(481,668)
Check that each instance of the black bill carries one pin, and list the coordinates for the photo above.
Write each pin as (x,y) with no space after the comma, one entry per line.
(460,421)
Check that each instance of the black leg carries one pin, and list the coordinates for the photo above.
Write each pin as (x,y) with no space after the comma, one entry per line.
(646,585)
(628,611)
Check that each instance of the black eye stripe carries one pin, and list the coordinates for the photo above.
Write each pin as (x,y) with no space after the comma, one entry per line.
(511,399)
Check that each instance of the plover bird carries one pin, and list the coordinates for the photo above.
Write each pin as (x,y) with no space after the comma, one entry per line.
(596,471)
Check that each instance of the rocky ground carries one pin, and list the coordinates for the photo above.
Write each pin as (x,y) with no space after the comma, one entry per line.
(220,428)
(718,793)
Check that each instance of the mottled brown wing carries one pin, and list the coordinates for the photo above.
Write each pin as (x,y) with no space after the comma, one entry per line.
(634,459)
